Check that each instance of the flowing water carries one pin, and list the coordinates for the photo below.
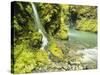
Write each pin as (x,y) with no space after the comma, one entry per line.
(85,43)
(87,39)
(39,26)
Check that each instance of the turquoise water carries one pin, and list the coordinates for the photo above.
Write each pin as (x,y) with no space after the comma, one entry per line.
(84,43)
(86,39)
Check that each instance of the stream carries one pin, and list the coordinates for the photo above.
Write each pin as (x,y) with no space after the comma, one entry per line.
(85,43)
(87,39)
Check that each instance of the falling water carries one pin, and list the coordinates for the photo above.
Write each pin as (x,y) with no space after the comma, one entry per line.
(39,26)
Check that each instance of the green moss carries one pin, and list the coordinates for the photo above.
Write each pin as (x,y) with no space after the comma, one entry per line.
(87,18)
(55,50)
(63,33)
(25,63)
(41,57)
(29,9)
(36,40)
(87,25)
(16,25)
(26,60)
(37,36)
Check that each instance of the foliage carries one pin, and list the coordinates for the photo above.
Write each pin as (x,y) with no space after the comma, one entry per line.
(25,62)
(63,33)
(55,19)
(87,18)
(29,60)
(87,25)
(36,40)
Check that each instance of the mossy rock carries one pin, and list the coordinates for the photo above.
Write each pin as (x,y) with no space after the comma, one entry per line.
(55,51)
(63,35)
(41,57)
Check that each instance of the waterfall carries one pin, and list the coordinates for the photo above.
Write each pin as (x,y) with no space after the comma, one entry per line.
(39,26)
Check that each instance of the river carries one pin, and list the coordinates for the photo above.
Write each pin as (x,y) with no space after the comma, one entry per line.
(85,43)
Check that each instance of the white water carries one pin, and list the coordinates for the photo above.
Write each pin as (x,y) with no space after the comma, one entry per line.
(40,28)
(89,55)
(88,41)
(44,40)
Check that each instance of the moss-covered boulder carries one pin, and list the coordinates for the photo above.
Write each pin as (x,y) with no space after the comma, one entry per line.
(63,34)
(41,56)
(56,52)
